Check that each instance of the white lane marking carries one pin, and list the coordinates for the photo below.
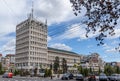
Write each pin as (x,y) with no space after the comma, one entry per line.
(16,80)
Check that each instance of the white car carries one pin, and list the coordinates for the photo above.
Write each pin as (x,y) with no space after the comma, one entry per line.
(115,77)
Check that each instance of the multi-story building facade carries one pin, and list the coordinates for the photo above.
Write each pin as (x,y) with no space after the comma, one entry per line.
(10,62)
(71,57)
(31,44)
(0,58)
(31,47)
(93,61)
(5,63)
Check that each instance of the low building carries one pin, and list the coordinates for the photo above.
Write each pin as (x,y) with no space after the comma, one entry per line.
(71,57)
(0,58)
(10,62)
(93,61)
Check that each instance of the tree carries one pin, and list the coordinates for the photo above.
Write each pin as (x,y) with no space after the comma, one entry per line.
(2,71)
(102,16)
(90,70)
(0,66)
(35,72)
(64,65)
(108,70)
(80,69)
(85,72)
(56,64)
(117,69)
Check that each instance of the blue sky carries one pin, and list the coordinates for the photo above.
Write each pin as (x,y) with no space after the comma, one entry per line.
(65,30)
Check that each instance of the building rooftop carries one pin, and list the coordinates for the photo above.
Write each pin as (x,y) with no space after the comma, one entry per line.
(65,51)
(0,54)
(9,55)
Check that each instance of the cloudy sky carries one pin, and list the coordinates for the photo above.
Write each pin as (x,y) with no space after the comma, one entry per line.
(65,30)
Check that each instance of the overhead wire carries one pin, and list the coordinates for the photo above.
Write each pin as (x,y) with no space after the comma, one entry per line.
(55,32)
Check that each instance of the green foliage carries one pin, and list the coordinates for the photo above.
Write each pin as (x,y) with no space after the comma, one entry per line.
(16,72)
(116,69)
(23,72)
(56,64)
(83,71)
(64,65)
(0,66)
(48,72)
(101,15)
(108,70)
(80,69)
(1,70)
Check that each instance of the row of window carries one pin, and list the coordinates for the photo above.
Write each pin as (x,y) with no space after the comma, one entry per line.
(40,53)
(26,64)
(38,26)
(38,40)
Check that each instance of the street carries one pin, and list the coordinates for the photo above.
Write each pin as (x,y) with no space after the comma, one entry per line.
(33,79)
(30,79)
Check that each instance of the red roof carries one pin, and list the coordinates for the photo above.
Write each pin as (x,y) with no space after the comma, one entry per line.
(10,55)
(0,54)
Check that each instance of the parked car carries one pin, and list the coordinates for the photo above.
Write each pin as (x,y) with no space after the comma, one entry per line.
(115,77)
(41,73)
(109,77)
(103,77)
(67,76)
(31,74)
(91,77)
(7,75)
(79,77)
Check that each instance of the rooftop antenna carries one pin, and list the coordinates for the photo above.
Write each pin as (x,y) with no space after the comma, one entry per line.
(46,22)
(32,9)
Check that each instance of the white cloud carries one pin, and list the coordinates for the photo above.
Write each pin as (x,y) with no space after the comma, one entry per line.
(9,47)
(13,12)
(111,50)
(117,34)
(49,38)
(77,31)
(55,11)
(61,46)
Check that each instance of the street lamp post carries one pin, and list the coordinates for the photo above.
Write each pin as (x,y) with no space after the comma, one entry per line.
(51,70)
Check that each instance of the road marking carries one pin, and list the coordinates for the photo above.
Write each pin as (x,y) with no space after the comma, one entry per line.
(23,80)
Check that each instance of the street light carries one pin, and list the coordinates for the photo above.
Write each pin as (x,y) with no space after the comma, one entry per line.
(51,70)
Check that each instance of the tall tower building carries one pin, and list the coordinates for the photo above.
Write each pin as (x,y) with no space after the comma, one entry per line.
(31,44)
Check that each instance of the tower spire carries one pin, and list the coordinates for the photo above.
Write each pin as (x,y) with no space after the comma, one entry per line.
(32,10)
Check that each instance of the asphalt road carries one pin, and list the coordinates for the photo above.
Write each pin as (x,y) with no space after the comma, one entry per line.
(18,78)
(31,79)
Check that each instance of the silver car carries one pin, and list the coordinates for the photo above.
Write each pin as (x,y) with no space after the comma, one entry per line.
(103,77)
(115,77)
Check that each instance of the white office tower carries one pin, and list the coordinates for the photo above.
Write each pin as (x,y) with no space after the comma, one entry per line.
(31,44)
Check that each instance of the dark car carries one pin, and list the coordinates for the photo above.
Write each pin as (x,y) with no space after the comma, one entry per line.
(103,77)
(67,76)
(79,77)
(91,77)
(7,75)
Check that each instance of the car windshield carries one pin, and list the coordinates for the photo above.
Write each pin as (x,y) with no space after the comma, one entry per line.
(103,76)
(79,75)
